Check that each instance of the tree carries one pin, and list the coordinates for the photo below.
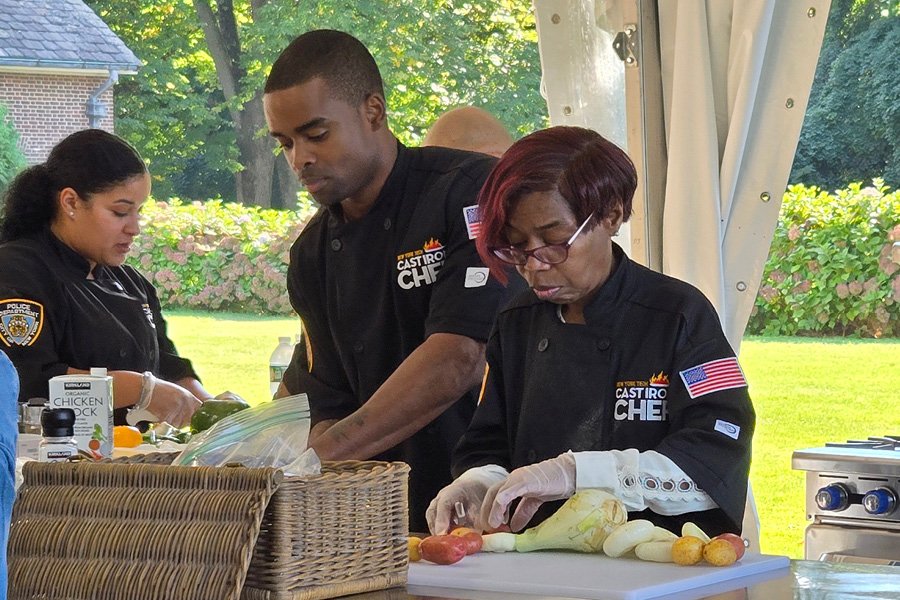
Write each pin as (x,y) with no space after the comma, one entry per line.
(207,64)
(11,158)
(173,110)
(254,181)
(851,131)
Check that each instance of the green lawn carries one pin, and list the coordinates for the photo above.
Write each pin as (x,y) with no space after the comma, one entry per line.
(806,392)
(230,351)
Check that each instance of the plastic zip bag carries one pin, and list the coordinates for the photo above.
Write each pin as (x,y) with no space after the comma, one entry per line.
(273,434)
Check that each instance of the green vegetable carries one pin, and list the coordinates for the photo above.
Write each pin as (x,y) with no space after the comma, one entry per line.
(214,411)
(583,523)
(179,437)
(171,435)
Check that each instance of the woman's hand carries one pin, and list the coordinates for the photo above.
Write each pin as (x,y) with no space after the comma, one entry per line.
(552,479)
(469,490)
(172,403)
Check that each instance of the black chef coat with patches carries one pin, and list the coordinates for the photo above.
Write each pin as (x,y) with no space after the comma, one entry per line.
(370,291)
(112,321)
(553,387)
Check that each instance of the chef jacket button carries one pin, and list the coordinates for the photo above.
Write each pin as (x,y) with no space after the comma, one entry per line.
(532,456)
(542,345)
(387,223)
(603,344)
(122,353)
(336,244)
(358,347)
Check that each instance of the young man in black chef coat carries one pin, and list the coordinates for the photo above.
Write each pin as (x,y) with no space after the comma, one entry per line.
(395,302)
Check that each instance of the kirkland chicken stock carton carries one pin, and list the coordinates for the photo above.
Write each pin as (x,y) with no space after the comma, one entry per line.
(91,397)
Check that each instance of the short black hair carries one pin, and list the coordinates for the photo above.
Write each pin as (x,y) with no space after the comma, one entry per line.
(338,58)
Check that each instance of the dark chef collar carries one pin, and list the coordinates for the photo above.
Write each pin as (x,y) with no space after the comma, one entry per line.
(69,257)
(392,190)
(613,289)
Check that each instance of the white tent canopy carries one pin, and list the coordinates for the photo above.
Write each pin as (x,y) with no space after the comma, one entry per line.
(711,114)
(708,97)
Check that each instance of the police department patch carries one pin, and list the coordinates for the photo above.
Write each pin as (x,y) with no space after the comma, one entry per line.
(20,321)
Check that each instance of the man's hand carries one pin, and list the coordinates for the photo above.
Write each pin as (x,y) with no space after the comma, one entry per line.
(282,392)
(443,368)
(319,428)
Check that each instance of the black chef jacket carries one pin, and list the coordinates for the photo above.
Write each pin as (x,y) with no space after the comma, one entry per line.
(615,383)
(370,291)
(52,317)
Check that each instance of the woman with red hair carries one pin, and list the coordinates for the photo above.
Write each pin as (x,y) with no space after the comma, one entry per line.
(604,374)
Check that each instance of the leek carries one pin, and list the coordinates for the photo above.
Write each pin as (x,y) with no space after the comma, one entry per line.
(583,523)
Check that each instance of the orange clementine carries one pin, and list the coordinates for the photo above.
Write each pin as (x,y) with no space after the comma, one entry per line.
(126,436)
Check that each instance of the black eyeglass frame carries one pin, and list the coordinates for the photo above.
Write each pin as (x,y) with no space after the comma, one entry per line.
(520,257)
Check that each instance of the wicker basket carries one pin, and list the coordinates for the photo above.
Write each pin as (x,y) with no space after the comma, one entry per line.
(140,529)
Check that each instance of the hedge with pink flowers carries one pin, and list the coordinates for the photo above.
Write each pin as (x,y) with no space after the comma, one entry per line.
(215,256)
(830,270)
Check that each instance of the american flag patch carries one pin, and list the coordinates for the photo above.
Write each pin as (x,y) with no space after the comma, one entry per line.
(472,215)
(714,376)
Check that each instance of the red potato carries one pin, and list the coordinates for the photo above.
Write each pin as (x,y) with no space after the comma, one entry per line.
(736,541)
(472,538)
(443,549)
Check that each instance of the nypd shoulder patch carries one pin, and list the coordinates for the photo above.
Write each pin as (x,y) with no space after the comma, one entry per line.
(21,321)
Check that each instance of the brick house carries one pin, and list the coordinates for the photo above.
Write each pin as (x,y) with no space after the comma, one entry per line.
(58,64)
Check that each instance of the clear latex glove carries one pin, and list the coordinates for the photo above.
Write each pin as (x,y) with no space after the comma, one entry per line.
(172,403)
(226,395)
(552,479)
(469,490)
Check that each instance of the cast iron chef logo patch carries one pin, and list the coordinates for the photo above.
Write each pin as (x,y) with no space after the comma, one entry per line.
(420,267)
(20,321)
(643,400)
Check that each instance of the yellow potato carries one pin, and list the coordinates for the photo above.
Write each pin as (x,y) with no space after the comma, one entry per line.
(687,550)
(414,555)
(694,530)
(719,553)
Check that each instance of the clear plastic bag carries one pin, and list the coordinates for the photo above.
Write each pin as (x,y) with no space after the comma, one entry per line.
(273,434)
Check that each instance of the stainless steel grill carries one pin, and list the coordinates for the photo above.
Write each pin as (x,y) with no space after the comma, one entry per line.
(853,500)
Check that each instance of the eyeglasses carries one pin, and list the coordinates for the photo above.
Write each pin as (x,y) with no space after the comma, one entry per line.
(551,254)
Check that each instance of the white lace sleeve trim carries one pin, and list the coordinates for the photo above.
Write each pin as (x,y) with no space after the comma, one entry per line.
(641,480)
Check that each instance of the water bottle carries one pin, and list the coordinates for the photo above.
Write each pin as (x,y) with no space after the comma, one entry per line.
(279,361)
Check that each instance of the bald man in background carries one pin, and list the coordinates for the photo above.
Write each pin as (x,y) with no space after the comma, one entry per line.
(469,128)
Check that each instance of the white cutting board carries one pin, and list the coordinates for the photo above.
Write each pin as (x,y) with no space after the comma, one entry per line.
(590,576)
